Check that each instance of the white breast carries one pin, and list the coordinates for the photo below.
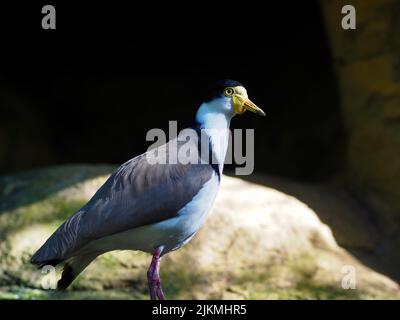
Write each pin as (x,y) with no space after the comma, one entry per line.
(214,118)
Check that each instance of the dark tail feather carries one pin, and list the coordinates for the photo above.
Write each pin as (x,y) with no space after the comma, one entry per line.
(67,277)
(73,267)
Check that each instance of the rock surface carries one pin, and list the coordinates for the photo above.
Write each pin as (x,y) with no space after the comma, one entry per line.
(258,243)
(367,66)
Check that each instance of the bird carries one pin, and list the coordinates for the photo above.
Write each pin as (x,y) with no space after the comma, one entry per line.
(151,206)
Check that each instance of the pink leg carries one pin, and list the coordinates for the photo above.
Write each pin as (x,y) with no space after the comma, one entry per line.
(153,276)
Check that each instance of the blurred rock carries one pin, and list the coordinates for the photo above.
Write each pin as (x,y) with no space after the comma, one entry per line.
(258,243)
(367,67)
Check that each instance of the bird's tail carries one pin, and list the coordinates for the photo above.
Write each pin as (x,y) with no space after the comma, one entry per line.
(60,246)
(73,267)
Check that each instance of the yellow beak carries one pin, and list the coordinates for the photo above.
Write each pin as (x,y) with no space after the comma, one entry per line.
(241,104)
(249,105)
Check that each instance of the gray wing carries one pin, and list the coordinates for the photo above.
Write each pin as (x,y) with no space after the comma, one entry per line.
(136,194)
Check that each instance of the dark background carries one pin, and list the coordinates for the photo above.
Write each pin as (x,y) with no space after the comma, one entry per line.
(89,91)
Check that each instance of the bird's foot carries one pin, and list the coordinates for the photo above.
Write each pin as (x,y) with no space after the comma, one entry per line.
(156,292)
(153,277)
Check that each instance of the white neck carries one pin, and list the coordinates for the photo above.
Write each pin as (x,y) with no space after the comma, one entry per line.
(214,117)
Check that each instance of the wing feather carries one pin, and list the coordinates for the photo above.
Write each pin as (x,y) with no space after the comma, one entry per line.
(137,193)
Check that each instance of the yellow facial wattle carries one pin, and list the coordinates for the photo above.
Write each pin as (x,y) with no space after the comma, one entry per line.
(241,102)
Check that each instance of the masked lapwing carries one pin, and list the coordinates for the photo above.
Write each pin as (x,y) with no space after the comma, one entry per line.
(152,206)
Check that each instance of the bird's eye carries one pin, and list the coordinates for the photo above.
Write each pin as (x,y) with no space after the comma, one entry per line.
(228,92)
